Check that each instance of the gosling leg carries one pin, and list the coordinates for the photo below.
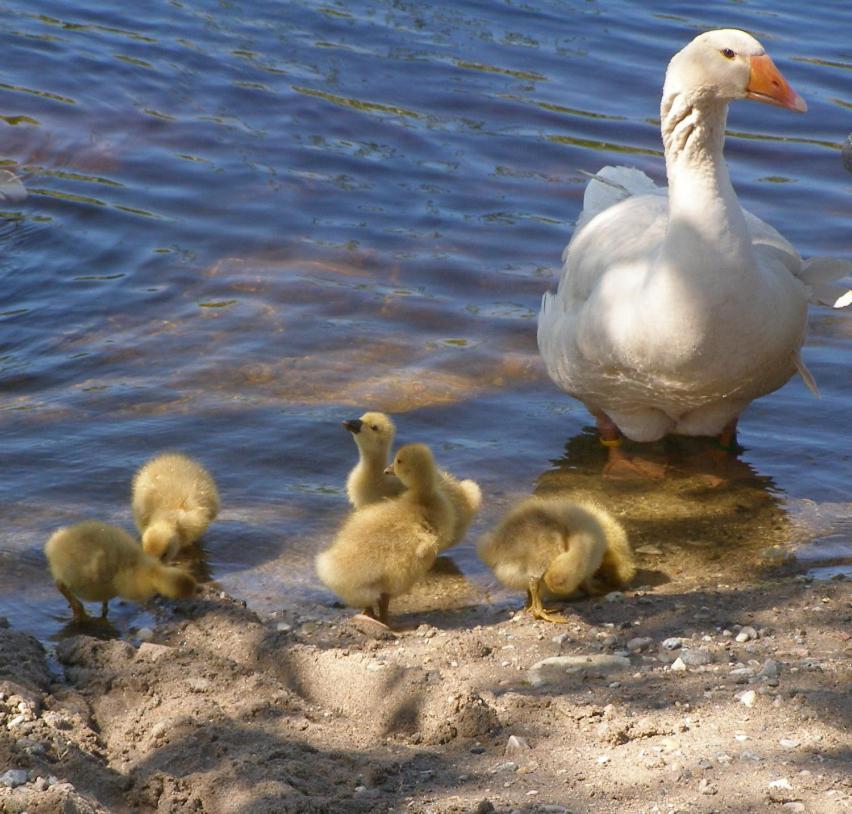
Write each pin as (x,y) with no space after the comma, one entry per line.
(536,609)
(76,606)
(384,601)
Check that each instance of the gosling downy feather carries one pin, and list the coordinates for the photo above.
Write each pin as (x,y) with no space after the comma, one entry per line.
(466,499)
(383,548)
(174,501)
(368,482)
(96,561)
(553,546)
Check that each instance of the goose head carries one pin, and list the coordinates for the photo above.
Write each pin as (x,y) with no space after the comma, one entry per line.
(414,465)
(373,433)
(725,65)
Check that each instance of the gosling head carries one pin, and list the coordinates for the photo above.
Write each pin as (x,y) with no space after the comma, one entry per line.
(160,540)
(373,433)
(727,64)
(414,465)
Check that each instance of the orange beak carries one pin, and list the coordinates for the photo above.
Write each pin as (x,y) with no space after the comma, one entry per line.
(766,84)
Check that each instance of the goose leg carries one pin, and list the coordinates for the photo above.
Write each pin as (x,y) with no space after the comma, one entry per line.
(104,608)
(727,439)
(369,620)
(535,607)
(76,606)
(384,601)
(620,465)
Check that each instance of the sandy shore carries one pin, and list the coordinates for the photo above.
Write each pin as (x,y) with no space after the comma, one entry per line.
(698,699)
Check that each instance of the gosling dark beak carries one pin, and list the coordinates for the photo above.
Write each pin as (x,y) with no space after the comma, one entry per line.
(389,470)
(354,425)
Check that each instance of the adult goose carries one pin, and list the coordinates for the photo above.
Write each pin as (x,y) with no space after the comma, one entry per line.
(676,308)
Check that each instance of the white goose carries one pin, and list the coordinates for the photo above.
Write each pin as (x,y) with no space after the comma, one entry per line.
(674,311)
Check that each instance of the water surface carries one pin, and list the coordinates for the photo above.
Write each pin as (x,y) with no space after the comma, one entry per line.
(249,221)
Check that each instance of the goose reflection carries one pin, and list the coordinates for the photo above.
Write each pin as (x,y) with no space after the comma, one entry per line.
(687,525)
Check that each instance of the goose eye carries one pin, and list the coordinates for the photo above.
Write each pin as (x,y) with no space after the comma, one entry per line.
(728,53)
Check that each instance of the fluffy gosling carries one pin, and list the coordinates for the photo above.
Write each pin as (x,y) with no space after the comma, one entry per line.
(174,501)
(553,545)
(367,483)
(384,548)
(96,561)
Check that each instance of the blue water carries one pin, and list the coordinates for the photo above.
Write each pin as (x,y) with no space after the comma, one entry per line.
(249,221)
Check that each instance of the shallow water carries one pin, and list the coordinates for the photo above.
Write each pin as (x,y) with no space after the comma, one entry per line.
(250,221)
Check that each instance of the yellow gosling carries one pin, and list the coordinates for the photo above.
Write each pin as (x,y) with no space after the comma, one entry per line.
(95,561)
(553,546)
(174,501)
(367,483)
(384,548)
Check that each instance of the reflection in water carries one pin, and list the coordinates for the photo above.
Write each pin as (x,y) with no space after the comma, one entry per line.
(231,245)
(697,530)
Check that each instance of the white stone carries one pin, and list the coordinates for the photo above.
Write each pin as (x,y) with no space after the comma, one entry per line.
(555,668)
(516,745)
(747,698)
(145,634)
(672,643)
(746,634)
(781,783)
(677,665)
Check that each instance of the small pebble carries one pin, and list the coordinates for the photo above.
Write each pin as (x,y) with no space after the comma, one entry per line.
(639,643)
(145,634)
(746,634)
(12,778)
(706,787)
(696,657)
(781,783)
(508,766)
(770,669)
(672,643)
(747,698)
(516,745)
(678,665)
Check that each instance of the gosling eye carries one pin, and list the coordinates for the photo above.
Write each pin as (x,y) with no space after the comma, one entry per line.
(374,427)
(728,53)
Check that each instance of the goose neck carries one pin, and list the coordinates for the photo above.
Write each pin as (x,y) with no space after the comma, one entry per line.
(701,197)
